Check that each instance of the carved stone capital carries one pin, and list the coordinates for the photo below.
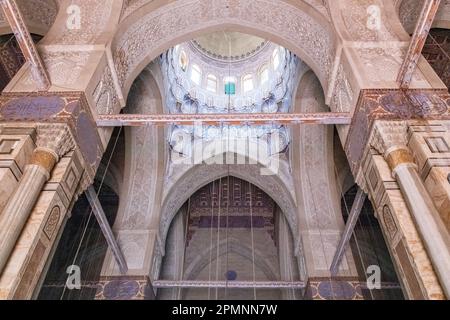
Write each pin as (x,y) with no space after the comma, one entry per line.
(388,136)
(55,138)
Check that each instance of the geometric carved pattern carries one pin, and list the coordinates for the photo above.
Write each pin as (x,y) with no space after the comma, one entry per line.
(7,145)
(389,222)
(373,179)
(437,144)
(52,222)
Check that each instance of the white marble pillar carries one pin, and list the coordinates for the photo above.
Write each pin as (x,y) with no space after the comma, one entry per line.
(19,206)
(427,219)
(391,141)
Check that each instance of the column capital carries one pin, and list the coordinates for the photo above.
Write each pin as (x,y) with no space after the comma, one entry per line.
(55,139)
(388,136)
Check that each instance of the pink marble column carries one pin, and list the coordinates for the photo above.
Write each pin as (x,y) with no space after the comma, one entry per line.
(19,206)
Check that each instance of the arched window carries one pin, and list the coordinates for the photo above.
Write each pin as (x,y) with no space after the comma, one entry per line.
(196,74)
(276,59)
(230,85)
(184,61)
(211,83)
(264,75)
(247,83)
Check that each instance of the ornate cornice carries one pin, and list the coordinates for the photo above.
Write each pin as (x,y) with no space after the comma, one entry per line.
(391,105)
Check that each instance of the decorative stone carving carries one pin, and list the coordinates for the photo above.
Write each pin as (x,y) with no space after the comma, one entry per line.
(389,222)
(409,12)
(36,12)
(129,6)
(52,222)
(70,108)
(342,100)
(356,21)
(56,137)
(388,134)
(63,67)
(134,45)
(391,105)
(95,16)
(105,95)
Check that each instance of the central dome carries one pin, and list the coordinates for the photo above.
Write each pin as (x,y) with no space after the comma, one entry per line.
(227,45)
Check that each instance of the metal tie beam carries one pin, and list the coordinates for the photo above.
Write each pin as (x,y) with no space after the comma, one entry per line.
(15,19)
(419,37)
(226,118)
(106,229)
(348,231)
(229,284)
(168,284)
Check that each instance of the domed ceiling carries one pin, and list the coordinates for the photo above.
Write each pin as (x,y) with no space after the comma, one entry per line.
(227,45)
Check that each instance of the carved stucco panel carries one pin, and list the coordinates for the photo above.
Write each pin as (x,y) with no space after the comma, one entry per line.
(356,21)
(63,68)
(36,12)
(383,63)
(95,16)
(342,99)
(105,95)
(409,12)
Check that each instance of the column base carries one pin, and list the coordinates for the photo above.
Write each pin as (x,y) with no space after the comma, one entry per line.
(125,288)
(333,289)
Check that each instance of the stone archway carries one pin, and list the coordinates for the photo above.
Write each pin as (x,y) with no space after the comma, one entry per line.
(198,176)
(144,34)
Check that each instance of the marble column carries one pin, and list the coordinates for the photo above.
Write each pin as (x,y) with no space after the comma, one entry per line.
(19,206)
(16,148)
(53,141)
(29,261)
(392,143)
